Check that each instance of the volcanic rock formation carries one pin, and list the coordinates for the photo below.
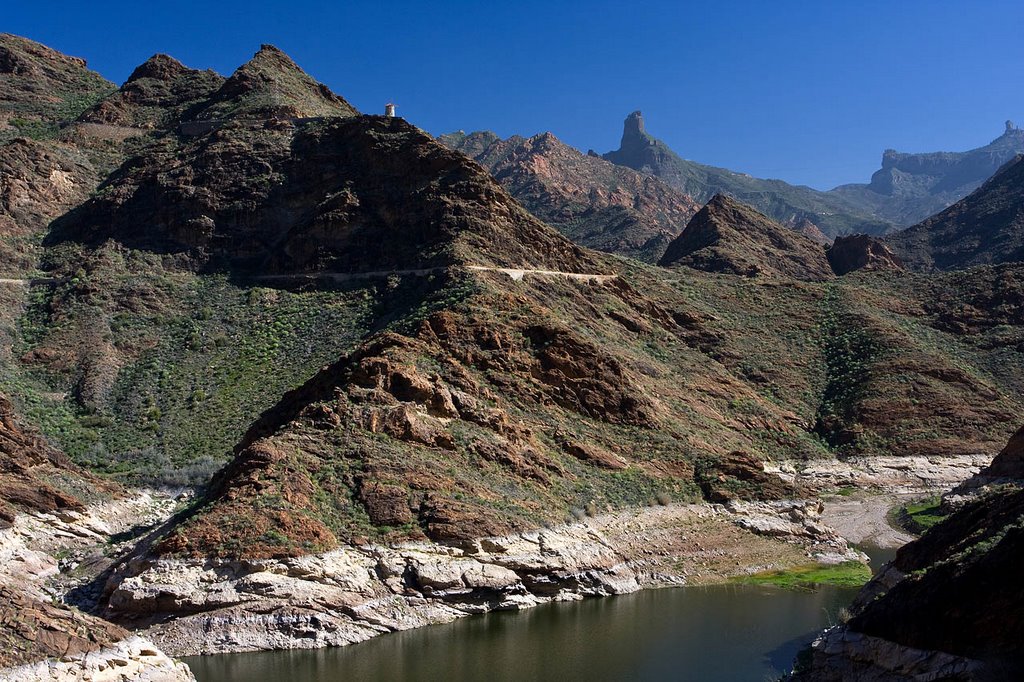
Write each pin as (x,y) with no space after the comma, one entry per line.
(727,236)
(593,202)
(861,252)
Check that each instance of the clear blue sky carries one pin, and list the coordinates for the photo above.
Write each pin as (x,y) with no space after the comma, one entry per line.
(810,92)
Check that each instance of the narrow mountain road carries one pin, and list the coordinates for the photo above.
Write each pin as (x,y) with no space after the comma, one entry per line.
(516,274)
(29,281)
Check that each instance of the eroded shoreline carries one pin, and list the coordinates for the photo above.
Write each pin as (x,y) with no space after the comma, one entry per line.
(191,607)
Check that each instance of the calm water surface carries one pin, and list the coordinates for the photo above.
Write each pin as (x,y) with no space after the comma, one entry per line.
(727,633)
(715,633)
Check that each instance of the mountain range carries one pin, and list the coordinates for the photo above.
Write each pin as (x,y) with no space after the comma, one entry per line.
(388,361)
(907,189)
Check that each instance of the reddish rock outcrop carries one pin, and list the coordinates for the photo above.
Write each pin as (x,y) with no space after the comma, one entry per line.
(727,236)
(861,252)
(592,201)
(36,477)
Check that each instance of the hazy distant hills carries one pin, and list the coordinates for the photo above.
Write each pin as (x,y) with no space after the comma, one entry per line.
(788,204)
(984,228)
(907,189)
(910,187)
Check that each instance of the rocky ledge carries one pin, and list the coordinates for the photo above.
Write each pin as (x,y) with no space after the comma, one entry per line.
(840,654)
(890,474)
(191,606)
(44,639)
(132,659)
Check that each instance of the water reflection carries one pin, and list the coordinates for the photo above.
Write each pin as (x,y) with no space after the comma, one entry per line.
(716,633)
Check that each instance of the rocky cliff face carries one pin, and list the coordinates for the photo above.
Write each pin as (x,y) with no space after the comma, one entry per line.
(947,607)
(984,228)
(910,187)
(780,201)
(726,236)
(861,252)
(591,201)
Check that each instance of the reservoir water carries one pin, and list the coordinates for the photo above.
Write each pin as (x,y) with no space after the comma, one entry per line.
(740,633)
(724,633)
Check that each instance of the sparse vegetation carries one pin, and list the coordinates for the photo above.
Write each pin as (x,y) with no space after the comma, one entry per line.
(918,517)
(847,574)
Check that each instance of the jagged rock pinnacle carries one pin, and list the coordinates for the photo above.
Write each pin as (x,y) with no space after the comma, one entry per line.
(634,125)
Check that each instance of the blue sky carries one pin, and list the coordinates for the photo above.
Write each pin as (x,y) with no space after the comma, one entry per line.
(810,92)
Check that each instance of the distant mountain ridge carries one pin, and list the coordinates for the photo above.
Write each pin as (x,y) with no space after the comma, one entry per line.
(907,189)
(595,203)
(911,187)
(785,203)
(984,228)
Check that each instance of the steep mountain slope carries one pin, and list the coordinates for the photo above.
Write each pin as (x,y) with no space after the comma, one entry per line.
(41,177)
(985,227)
(910,187)
(781,201)
(595,203)
(316,198)
(158,94)
(1009,463)
(41,87)
(727,236)
(247,203)
(947,607)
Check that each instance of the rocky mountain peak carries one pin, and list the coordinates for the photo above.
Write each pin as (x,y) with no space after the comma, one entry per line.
(156,95)
(24,57)
(596,203)
(728,236)
(160,67)
(634,125)
(41,87)
(271,85)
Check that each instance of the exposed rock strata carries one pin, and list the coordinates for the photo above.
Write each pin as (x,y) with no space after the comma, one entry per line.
(43,639)
(128,660)
(360,591)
